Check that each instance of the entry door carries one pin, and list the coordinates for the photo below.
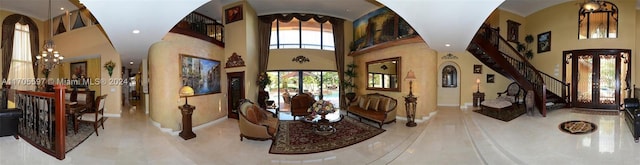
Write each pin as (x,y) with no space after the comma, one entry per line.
(235,92)
(597,73)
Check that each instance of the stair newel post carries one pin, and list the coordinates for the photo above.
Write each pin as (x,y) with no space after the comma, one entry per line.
(60,124)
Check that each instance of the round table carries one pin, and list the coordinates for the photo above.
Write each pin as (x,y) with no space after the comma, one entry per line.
(324,125)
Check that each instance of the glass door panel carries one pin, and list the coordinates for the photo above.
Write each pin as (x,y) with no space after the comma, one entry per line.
(331,87)
(311,83)
(585,79)
(607,83)
(288,85)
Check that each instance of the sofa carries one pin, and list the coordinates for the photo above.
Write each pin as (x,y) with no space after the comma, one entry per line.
(256,123)
(9,117)
(632,117)
(374,107)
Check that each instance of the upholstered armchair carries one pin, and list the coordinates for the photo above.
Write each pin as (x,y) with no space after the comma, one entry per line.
(256,123)
(9,117)
(511,94)
(300,103)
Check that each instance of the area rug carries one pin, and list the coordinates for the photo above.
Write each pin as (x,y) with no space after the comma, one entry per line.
(577,127)
(297,137)
(504,115)
(72,140)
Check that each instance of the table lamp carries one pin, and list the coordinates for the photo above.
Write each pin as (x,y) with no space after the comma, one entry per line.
(186,91)
(410,76)
(478,82)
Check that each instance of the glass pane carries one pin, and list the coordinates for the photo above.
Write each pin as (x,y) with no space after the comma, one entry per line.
(235,86)
(288,85)
(290,34)
(331,87)
(613,27)
(607,79)
(311,34)
(311,83)
(585,70)
(598,25)
(327,36)
(582,26)
(273,43)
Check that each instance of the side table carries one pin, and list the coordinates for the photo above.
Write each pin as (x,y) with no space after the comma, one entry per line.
(187,111)
(478,98)
(410,103)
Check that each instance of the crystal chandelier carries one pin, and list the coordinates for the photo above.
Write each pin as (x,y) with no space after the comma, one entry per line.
(49,57)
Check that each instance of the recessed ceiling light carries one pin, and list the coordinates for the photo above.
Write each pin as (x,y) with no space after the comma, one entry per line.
(131,63)
(447,45)
(62,8)
(136,31)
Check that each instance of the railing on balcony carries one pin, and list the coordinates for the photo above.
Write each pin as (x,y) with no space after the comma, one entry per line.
(201,27)
(43,120)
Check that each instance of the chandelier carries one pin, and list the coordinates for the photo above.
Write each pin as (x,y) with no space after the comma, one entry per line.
(591,6)
(49,57)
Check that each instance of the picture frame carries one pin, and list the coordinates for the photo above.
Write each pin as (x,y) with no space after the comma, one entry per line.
(513,30)
(233,14)
(491,78)
(544,42)
(477,69)
(78,74)
(201,74)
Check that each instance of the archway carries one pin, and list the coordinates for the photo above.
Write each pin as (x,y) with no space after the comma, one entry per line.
(449,83)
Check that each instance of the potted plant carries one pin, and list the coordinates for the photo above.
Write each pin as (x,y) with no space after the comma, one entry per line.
(524,49)
(109,66)
(348,85)
(263,81)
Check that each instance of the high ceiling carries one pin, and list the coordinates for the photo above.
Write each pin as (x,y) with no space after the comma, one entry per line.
(440,22)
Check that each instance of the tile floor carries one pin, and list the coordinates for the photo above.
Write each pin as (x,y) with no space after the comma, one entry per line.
(452,136)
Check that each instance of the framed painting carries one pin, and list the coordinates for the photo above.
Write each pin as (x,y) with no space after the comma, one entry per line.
(78,70)
(477,69)
(203,75)
(491,78)
(233,14)
(544,42)
(513,29)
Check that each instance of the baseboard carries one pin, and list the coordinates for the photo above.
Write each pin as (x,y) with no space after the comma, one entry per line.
(424,118)
(111,115)
(466,105)
(175,133)
(448,105)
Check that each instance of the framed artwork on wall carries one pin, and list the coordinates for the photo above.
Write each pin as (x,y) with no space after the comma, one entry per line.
(203,75)
(491,78)
(512,30)
(233,14)
(78,70)
(544,42)
(477,69)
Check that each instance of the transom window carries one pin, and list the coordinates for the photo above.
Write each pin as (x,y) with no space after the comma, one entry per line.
(301,35)
(600,21)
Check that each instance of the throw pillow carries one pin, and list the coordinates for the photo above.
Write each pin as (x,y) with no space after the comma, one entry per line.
(373,104)
(384,104)
(363,102)
(252,115)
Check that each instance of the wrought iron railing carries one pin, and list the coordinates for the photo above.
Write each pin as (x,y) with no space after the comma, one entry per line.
(202,27)
(557,87)
(43,120)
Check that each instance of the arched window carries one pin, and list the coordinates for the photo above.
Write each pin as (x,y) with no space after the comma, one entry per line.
(598,19)
(18,45)
(449,77)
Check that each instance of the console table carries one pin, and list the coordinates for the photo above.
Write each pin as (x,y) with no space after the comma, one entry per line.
(478,98)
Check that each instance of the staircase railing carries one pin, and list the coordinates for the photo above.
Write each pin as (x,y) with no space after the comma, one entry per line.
(201,27)
(557,87)
(520,63)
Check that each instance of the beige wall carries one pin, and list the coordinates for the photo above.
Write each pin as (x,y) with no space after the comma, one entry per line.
(164,83)
(245,43)
(281,59)
(93,72)
(417,57)
(448,96)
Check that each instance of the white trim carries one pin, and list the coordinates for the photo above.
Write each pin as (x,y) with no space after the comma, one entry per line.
(424,118)
(111,115)
(466,105)
(448,105)
(175,133)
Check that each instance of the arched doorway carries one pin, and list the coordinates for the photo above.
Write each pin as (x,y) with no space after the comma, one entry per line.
(449,83)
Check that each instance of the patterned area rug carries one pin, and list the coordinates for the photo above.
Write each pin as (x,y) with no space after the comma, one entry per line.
(297,137)
(84,131)
(577,127)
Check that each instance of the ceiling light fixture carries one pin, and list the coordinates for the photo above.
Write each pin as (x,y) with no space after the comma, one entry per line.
(131,63)
(136,31)
(447,45)
(49,57)
(62,8)
(591,6)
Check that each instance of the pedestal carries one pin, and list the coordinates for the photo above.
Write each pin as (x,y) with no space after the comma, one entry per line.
(187,132)
(410,103)
(478,98)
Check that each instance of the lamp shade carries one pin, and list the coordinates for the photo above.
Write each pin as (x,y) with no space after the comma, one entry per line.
(186,91)
(410,75)
(477,81)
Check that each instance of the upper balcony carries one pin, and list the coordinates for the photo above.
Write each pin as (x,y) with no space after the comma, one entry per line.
(202,27)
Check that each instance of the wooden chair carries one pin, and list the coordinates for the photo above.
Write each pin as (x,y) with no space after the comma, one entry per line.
(300,103)
(96,118)
(511,94)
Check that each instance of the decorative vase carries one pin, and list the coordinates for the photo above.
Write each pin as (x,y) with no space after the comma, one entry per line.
(110,71)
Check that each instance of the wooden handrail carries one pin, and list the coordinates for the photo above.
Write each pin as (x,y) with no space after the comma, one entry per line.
(37,129)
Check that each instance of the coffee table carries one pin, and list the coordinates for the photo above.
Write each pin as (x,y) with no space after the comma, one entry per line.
(323,125)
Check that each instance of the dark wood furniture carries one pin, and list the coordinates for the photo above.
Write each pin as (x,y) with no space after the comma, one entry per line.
(73,110)
(323,124)
(86,98)
(8,117)
(96,117)
(187,112)
(410,103)
(300,104)
(478,98)
(235,92)
(632,117)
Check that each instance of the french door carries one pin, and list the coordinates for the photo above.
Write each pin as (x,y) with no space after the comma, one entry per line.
(235,92)
(596,77)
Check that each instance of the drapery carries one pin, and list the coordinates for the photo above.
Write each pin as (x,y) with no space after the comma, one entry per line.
(8,28)
(338,39)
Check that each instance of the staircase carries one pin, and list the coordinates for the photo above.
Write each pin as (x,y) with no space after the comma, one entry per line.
(496,53)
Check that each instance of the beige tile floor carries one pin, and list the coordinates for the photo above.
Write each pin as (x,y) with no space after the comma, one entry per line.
(452,136)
